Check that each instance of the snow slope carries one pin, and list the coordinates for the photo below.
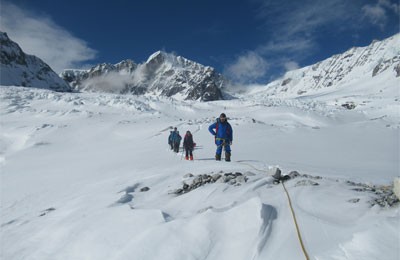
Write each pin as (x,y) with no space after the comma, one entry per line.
(357,66)
(73,166)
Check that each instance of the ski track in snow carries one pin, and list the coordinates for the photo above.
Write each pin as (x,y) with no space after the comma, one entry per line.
(73,166)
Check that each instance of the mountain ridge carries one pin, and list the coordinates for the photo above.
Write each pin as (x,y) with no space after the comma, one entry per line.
(170,75)
(21,69)
(163,74)
(341,69)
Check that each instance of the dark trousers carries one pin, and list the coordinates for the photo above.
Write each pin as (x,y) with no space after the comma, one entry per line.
(189,152)
(176,147)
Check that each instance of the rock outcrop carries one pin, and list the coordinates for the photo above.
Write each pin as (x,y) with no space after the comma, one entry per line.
(20,69)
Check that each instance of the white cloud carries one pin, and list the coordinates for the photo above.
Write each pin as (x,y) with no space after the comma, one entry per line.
(285,45)
(291,65)
(113,82)
(293,35)
(248,67)
(391,6)
(297,28)
(377,14)
(43,38)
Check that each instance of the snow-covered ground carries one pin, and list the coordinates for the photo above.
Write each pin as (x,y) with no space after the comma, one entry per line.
(73,166)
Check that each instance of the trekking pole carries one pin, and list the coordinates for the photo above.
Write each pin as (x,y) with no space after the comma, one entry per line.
(223,148)
(182,153)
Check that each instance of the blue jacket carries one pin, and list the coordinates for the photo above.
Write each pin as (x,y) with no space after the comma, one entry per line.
(174,137)
(170,137)
(222,130)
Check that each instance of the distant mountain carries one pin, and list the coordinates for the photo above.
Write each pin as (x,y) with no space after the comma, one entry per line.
(20,69)
(353,67)
(162,74)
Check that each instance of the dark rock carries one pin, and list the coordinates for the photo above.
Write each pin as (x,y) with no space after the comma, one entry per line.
(383,196)
(203,179)
(397,70)
(306,183)
(144,189)
(349,105)
(179,191)
(215,177)
(294,174)
(286,81)
(44,212)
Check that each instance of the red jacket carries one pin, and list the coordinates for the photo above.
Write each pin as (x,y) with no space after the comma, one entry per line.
(188,143)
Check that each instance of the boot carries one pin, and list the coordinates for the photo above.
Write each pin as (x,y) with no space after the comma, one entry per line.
(218,157)
(186,157)
(227,157)
(191,157)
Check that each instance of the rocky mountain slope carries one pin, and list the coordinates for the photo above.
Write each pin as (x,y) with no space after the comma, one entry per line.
(356,64)
(20,69)
(163,74)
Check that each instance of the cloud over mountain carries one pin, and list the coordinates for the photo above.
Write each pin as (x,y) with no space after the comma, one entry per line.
(39,35)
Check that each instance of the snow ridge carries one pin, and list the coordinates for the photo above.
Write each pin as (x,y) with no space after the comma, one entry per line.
(380,59)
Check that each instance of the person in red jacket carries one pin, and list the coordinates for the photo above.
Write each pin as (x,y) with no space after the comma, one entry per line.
(188,145)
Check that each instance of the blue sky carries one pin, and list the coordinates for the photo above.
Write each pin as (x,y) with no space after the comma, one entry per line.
(251,41)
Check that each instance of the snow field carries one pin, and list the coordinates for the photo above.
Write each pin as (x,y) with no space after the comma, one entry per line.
(73,165)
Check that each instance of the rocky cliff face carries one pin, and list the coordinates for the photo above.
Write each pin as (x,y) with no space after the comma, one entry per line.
(162,74)
(357,63)
(20,69)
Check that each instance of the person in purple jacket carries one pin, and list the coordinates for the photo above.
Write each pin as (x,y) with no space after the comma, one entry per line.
(223,137)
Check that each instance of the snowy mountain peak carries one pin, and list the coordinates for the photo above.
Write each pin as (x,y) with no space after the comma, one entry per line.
(163,74)
(127,66)
(381,59)
(172,60)
(158,56)
(3,36)
(20,69)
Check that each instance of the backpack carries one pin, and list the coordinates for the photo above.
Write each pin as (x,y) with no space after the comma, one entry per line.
(178,137)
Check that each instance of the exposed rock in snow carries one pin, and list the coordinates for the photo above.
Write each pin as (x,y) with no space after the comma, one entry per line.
(193,182)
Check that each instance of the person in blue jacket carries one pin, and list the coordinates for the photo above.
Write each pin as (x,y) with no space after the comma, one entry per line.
(223,137)
(177,141)
(174,140)
(170,142)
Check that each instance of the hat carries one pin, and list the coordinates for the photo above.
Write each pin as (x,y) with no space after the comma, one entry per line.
(223,115)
